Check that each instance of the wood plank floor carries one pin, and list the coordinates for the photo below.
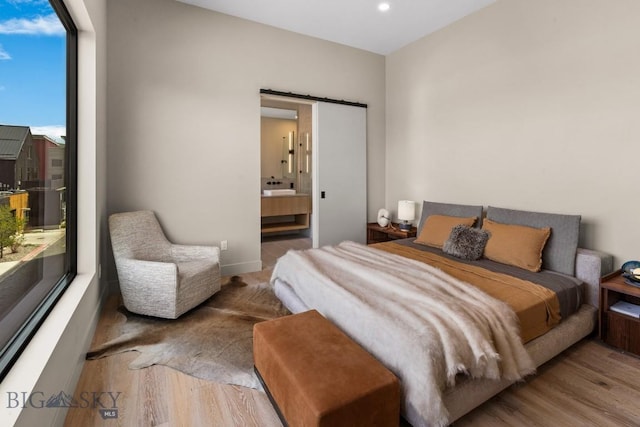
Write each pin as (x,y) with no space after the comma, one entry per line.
(161,396)
(588,385)
(273,247)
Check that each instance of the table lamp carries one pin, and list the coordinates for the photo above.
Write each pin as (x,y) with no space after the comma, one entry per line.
(406,213)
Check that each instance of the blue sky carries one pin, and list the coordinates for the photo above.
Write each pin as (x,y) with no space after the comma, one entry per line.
(32,67)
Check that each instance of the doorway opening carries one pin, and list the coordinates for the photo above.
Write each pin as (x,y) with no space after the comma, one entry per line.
(317,185)
(286,170)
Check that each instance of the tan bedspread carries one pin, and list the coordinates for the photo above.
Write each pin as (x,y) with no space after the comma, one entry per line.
(537,307)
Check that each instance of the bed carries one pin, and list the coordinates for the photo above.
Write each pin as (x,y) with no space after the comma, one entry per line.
(456,331)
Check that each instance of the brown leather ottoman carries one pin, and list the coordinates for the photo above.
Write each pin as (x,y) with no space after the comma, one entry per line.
(317,376)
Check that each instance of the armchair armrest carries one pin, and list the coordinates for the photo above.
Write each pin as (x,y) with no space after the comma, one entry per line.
(148,287)
(190,252)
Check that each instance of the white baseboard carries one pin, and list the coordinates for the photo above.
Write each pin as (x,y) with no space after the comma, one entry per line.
(240,268)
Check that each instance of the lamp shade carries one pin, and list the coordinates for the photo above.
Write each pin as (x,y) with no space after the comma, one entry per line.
(406,210)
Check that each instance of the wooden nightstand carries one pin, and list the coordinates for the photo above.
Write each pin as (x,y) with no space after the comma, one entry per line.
(617,329)
(377,234)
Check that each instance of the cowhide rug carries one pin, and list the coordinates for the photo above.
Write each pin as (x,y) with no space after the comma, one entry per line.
(214,341)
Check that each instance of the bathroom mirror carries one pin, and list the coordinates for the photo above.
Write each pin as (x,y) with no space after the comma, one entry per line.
(286,146)
(278,141)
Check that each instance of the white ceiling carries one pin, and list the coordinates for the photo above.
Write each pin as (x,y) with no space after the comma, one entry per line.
(356,23)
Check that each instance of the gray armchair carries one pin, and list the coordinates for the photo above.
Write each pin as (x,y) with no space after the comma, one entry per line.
(158,278)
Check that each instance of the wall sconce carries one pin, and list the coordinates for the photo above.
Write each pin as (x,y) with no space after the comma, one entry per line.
(291,152)
(406,213)
(308,153)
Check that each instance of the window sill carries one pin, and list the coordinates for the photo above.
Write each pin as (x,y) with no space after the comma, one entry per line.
(53,359)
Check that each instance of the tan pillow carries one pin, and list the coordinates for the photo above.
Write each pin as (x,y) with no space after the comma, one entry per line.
(437,228)
(515,245)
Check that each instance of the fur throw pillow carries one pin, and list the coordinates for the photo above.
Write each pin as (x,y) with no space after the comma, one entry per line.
(466,242)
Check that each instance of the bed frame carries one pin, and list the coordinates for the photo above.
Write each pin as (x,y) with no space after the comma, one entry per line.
(469,394)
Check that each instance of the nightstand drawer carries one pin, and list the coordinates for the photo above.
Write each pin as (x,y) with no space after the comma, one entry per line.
(623,332)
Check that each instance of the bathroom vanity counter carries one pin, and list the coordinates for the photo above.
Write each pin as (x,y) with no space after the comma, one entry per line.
(285,213)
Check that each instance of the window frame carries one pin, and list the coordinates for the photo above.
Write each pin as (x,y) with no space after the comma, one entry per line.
(11,352)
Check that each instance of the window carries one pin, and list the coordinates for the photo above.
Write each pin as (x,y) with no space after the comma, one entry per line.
(38,112)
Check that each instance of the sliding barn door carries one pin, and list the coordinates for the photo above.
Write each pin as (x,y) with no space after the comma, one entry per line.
(340,174)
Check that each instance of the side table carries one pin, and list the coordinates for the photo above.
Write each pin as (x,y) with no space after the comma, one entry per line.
(377,234)
(618,329)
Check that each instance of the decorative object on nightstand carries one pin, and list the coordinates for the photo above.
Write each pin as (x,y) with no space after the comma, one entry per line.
(384,218)
(631,272)
(406,213)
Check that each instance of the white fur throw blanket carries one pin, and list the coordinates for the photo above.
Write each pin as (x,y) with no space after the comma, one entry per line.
(422,324)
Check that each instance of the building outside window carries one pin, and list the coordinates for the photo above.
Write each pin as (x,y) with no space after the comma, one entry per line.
(38,57)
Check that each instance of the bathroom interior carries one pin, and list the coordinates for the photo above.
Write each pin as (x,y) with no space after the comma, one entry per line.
(286,173)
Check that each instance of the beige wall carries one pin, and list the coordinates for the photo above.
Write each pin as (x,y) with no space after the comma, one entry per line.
(528,105)
(184,115)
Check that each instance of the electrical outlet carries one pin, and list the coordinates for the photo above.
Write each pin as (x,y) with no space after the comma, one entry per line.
(223,245)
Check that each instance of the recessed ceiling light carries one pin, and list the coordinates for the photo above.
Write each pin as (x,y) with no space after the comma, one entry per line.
(383,7)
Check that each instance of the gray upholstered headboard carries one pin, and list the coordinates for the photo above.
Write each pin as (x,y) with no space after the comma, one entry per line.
(450,209)
(561,252)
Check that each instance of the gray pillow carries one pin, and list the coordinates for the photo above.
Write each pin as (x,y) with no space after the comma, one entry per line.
(559,253)
(466,242)
(449,209)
